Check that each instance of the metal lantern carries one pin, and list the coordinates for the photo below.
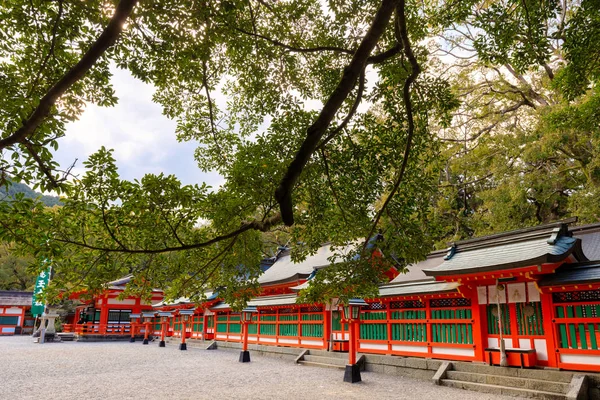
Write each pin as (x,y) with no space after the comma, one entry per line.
(134,317)
(352,309)
(186,314)
(164,315)
(148,316)
(247,313)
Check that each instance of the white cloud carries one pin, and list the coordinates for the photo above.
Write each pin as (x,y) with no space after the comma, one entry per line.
(142,137)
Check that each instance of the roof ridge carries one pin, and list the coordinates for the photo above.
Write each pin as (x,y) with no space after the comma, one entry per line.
(533,231)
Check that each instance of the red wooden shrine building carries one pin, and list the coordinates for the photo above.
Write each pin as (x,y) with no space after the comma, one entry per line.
(108,315)
(546,281)
(15,313)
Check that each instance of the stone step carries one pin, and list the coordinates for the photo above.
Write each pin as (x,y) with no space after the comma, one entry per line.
(503,390)
(325,360)
(529,373)
(509,381)
(322,365)
(67,336)
(329,354)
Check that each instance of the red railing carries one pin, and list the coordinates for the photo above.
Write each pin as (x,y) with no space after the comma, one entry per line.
(91,328)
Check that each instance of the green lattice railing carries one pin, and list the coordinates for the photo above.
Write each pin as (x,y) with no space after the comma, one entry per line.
(584,332)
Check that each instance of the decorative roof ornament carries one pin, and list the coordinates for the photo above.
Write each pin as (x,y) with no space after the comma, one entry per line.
(451,252)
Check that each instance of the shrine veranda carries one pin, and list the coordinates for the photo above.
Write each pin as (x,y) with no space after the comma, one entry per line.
(546,280)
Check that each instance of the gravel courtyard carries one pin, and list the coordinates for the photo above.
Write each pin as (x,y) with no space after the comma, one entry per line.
(73,370)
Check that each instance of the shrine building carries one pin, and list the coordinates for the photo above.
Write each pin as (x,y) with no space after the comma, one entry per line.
(537,288)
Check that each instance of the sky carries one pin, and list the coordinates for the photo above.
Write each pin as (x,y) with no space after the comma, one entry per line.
(143,138)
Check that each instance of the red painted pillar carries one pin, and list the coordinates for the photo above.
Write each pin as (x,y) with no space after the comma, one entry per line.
(245,338)
(388,323)
(549,329)
(477,325)
(428,329)
(326,328)
(163,330)
(103,315)
(146,332)
(514,325)
(352,342)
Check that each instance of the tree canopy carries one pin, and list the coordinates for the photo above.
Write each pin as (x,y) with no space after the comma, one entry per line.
(467,108)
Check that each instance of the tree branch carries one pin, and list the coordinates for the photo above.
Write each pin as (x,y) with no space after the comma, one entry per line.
(359,94)
(386,55)
(256,225)
(416,69)
(52,46)
(104,41)
(333,191)
(53,183)
(315,132)
(294,48)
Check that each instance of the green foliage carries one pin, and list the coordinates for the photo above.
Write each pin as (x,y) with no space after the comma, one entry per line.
(523,147)
(516,106)
(15,271)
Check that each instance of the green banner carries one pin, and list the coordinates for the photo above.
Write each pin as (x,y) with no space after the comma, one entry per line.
(37,306)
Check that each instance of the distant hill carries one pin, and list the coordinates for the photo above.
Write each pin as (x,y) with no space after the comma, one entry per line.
(15,188)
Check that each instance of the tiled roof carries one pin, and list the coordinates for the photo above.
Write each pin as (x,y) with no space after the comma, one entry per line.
(288,299)
(14,298)
(522,248)
(418,288)
(221,306)
(590,240)
(573,273)
(184,300)
(285,270)
(121,283)
(415,272)
(118,283)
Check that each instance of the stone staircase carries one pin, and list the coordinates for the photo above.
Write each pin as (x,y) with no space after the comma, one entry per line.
(324,359)
(524,383)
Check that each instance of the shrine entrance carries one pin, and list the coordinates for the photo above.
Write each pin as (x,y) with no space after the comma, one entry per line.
(340,336)
(522,324)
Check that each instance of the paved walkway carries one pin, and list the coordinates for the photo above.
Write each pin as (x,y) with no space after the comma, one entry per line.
(72,370)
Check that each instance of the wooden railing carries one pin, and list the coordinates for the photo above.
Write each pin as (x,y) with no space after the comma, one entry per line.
(296,327)
(438,328)
(576,322)
(91,328)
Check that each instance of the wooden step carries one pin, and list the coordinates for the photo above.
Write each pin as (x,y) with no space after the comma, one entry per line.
(503,390)
(509,381)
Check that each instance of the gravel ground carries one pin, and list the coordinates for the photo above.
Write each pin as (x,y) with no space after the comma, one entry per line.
(72,370)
